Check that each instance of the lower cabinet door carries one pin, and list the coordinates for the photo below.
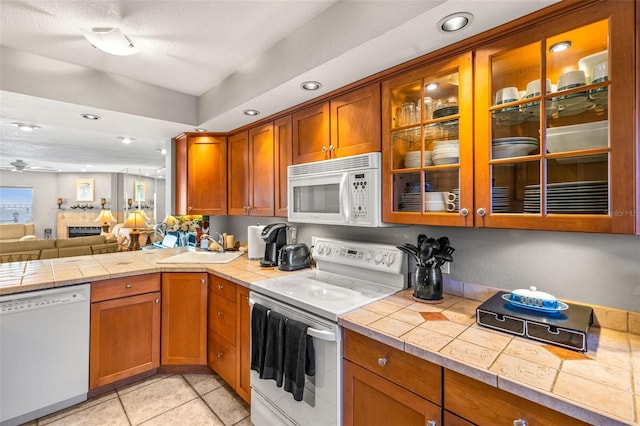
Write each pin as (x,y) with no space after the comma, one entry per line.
(125,338)
(370,400)
(222,358)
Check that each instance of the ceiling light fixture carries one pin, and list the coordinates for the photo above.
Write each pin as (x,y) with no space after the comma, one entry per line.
(25,127)
(200,130)
(251,112)
(125,139)
(560,46)
(311,85)
(432,86)
(110,40)
(455,22)
(90,116)
(163,151)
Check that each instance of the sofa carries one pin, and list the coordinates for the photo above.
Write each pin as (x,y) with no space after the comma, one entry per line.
(16,251)
(17,231)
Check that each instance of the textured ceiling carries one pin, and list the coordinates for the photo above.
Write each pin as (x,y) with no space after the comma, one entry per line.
(202,62)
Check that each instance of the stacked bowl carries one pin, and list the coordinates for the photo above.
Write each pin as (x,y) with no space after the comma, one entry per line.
(446,152)
(517,146)
(412,159)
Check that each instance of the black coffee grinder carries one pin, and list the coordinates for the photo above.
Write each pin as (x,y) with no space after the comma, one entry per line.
(274,236)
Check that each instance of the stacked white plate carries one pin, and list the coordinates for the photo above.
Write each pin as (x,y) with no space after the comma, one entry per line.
(409,202)
(516,146)
(446,152)
(587,197)
(500,201)
(412,159)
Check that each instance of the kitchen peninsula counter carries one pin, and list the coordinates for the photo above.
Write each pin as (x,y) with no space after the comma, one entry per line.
(600,387)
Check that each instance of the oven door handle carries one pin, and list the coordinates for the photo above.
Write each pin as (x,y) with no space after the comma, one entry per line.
(329,336)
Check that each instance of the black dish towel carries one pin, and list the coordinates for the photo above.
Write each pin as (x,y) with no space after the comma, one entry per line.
(295,358)
(274,356)
(258,335)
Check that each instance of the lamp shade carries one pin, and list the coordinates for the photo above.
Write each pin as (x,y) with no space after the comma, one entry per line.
(134,220)
(105,216)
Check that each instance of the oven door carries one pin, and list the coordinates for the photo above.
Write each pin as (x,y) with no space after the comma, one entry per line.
(321,403)
(320,199)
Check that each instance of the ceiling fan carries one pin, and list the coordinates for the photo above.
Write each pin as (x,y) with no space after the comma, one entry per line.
(20,166)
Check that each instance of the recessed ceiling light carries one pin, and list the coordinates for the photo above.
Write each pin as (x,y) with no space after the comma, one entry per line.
(90,116)
(200,129)
(126,139)
(251,112)
(311,85)
(432,86)
(560,46)
(163,151)
(455,22)
(25,127)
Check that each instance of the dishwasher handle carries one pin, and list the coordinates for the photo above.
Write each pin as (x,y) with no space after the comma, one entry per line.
(329,336)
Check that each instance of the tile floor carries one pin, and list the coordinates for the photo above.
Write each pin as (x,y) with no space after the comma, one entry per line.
(163,399)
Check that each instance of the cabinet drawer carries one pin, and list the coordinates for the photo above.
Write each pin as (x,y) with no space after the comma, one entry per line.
(482,404)
(415,374)
(222,358)
(222,317)
(222,287)
(123,287)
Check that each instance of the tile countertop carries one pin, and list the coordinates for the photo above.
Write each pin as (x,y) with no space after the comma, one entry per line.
(601,386)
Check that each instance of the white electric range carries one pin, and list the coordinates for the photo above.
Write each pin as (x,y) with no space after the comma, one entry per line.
(348,275)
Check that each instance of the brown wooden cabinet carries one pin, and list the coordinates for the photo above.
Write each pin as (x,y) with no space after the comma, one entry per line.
(125,328)
(229,323)
(184,318)
(311,134)
(479,403)
(200,174)
(355,122)
(383,385)
(282,141)
(251,172)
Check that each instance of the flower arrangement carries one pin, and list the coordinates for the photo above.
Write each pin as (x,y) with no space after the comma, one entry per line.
(181,224)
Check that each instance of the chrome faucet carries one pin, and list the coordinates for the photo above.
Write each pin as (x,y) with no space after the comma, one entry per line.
(219,239)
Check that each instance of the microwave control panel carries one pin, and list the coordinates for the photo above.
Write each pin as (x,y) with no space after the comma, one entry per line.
(361,185)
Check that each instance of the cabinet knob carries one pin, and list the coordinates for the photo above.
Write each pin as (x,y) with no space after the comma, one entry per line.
(220,286)
(520,422)
(324,149)
(331,148)
(157,301)
(219,314)
(382,362)
(431,423)
(464,212)
(189,208)
(128,286)
(219,354)
(481,211)
(203,281)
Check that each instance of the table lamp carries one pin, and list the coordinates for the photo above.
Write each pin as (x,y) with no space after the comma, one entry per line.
(134,221)
(105,216)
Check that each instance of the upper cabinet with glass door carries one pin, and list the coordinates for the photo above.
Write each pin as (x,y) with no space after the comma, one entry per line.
(554,125)
(427,144)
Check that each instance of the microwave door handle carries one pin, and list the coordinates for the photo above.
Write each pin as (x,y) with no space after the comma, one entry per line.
(329,336)
(344,196)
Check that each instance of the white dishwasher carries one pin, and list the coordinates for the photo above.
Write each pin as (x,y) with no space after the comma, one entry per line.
(44,352)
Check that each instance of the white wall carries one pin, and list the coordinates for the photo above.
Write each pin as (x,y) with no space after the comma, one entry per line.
(599,269)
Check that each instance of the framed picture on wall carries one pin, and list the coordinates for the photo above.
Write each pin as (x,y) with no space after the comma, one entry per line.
(84,189)
(139,191)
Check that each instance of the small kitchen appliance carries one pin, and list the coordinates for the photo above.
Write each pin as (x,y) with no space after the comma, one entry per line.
(275,237)
(561,324)
(292,257)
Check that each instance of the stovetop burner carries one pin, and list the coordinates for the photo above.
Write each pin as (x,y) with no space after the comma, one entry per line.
(348,276)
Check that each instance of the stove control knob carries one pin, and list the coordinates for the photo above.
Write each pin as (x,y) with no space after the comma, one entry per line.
(369,256)
(320,249)
(327,250)
(378,258)
(390,259)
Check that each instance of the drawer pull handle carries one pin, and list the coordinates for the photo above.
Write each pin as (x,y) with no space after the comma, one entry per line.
(382,362)
(219,354)
(128,286)
(520,422)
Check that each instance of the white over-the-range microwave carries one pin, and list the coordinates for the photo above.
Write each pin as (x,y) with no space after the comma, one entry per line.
(341,191)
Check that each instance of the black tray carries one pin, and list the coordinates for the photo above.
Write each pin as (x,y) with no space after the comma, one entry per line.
(567,328)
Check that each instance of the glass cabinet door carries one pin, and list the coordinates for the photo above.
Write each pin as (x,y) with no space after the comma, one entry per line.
(544,130)
(428,144)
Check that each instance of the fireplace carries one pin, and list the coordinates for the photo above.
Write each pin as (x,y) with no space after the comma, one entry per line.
(83,231)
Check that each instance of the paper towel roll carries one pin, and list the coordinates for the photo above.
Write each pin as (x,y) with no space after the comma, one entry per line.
(255,243)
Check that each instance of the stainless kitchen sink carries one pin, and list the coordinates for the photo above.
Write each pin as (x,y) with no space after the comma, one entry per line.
(203,257)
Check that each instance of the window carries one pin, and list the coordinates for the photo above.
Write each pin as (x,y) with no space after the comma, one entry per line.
(15,205)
